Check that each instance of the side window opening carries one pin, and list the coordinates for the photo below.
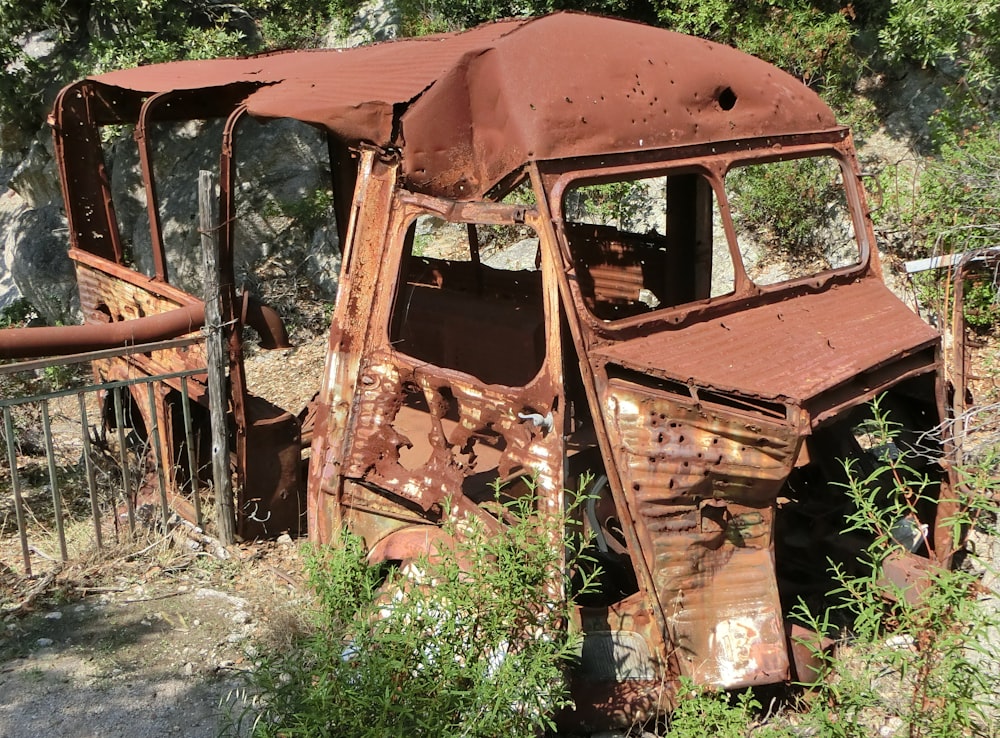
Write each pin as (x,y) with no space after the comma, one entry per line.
(127,193)
(792,218)
(647,244)
(470,299)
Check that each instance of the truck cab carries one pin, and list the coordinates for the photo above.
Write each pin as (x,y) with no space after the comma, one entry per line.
(562,258)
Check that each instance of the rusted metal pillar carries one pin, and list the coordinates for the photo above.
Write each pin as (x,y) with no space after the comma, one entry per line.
(217,359)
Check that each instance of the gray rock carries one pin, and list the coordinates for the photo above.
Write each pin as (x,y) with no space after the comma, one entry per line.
(280,167)
(374,21)
(36,178)
(11,207)
(35,249)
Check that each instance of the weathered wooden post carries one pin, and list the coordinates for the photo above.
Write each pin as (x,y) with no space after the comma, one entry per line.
(217,362)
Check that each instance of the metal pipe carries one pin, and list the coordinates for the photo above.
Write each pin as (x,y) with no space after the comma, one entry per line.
(27,343)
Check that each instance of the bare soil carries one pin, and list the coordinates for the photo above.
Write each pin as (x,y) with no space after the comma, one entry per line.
(147,645)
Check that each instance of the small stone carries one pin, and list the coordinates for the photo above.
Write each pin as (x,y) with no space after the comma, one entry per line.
(188,669)
(54,615)
(285,539)
(43,642)
(240,617)
(235,637)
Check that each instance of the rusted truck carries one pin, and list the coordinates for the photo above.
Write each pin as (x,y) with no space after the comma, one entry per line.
(561,254)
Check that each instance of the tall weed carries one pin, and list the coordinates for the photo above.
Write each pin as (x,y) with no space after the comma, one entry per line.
(470,641)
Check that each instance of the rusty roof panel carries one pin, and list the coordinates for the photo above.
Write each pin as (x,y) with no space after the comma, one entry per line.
(793,349)
(466,109)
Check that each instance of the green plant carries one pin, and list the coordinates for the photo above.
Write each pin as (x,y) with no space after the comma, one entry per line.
(950,205)
(919,659)
(621,204)
(17,314)
(79,37)
(801,37)
(420,17)
(791,208)
(312,211)
(705,711)
(470,640)
(961,37)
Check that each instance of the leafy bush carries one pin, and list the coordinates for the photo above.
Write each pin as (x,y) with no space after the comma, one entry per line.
(711,712)
(796,35)
(792,208)
(434,16)
(961,37)
(921,663)
(17,314)
(950,205)
(100,35)
(471,641)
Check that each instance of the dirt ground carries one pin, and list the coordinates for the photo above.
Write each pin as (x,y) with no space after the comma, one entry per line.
(151,638)
(150,645)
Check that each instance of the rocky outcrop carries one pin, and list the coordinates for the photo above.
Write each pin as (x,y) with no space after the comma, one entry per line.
(284,219)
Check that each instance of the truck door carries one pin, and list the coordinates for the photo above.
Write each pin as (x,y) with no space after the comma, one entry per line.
(460,383)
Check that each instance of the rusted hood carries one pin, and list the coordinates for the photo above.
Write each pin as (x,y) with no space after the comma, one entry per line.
(791,351)
(467,109)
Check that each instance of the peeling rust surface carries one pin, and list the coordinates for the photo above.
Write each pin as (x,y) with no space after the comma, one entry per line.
(466,109)
(701,483)
(423,438)
(790,350)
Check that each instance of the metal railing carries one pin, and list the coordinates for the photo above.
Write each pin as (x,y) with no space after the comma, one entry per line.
(63,463)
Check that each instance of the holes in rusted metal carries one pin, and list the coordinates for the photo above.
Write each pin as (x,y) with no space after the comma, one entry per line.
(727,99)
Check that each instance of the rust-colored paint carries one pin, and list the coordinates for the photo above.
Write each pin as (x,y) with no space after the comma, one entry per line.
(711,427)
(467,109)
(19,343)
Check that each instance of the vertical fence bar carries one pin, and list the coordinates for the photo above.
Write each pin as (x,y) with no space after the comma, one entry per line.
(88,464)
(154,438)
(123,453)
(53,480)
(22,531)
(192,461)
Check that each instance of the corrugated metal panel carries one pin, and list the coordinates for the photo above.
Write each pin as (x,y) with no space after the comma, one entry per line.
(467,109)
(793,349)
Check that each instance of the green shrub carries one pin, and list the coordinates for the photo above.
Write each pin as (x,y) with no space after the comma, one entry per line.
(17,314)
(471,642)
(712,712)
(961,37)
(789,207)
(950,205)
(923,665)
(100,35)
(812,43)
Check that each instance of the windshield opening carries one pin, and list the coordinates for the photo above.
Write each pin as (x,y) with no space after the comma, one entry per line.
(640,245)
(791,218)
